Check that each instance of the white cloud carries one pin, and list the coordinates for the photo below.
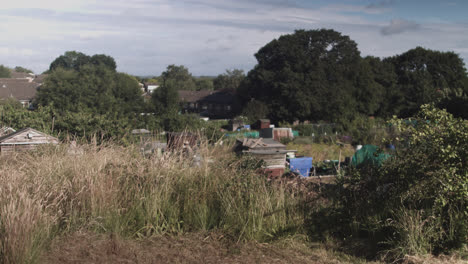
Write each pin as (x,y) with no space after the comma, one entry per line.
(399,26)
(208,36)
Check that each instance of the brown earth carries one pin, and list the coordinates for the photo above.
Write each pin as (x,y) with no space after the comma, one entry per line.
(85,247)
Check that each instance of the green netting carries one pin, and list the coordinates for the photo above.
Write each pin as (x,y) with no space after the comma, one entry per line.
(250,134)
(369,155)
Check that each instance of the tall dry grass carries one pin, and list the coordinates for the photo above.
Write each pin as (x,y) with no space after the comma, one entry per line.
(114,189)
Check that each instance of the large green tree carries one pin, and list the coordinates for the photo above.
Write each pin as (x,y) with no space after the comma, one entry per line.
(427,76)
(178,78)
(204,83)
(75,60)
(314,75)
(93,86)
(229,80)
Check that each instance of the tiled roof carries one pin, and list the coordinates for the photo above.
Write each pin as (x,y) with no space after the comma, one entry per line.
(21,75)
(218,96)
(40,78)
(20,89)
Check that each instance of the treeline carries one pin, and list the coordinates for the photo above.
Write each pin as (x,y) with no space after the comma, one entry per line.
(316,75)
(5,72)
(180,78)
(85,96)
(320,75)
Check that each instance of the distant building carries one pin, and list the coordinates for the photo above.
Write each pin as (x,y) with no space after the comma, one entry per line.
(151,87)
(22,90)
(22,87)
(212,104)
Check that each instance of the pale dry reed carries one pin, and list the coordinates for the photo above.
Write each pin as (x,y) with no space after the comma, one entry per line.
(113,189)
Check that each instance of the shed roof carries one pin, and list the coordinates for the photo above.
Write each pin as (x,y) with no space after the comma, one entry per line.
(252,143)
(27,129)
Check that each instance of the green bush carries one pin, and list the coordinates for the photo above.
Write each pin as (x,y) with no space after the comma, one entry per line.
(416,203)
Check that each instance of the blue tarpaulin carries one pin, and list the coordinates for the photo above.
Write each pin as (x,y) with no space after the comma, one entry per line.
(302,165)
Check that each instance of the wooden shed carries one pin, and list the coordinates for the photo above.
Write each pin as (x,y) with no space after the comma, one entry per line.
(277,133)
(270,151)
(24,140)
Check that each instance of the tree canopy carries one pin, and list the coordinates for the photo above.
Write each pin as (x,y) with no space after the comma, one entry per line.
(308,75)
(22,69)
(178,78)
(5,72)
(230,80)
(89,83)
(426,76)
(75,60)
(320,75)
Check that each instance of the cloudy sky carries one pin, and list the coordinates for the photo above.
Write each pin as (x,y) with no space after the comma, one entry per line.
(210,36)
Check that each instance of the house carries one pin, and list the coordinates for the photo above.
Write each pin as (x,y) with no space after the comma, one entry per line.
(22,75)
(150,87)
(22,90)
(218,104)
(24,140)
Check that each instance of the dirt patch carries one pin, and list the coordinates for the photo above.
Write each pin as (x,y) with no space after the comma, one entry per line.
(83,247)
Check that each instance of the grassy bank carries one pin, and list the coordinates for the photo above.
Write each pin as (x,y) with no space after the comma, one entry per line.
(114,190)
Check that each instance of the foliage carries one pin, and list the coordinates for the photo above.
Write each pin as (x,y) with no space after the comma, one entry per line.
(5,72)
(229,80)
(73,60)
(426,76)
(204,83)
(255,110)
(165,101)
(320,75)
(365,130)
(308,75)
(416,202)
(21,69)
(178,78)
(78,82)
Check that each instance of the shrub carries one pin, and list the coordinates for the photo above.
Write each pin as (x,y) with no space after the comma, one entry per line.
(416,203)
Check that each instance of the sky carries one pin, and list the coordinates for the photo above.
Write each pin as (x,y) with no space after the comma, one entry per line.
(210,36)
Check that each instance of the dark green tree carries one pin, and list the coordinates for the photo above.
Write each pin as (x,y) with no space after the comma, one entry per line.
(427,76)
(230,80)
(308,75)
(21,69)
(255,110)
(204,83)
(165,101)
(5,72)
(104,60)
(70,60)
(178,78)
(92,87)
(384,75)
